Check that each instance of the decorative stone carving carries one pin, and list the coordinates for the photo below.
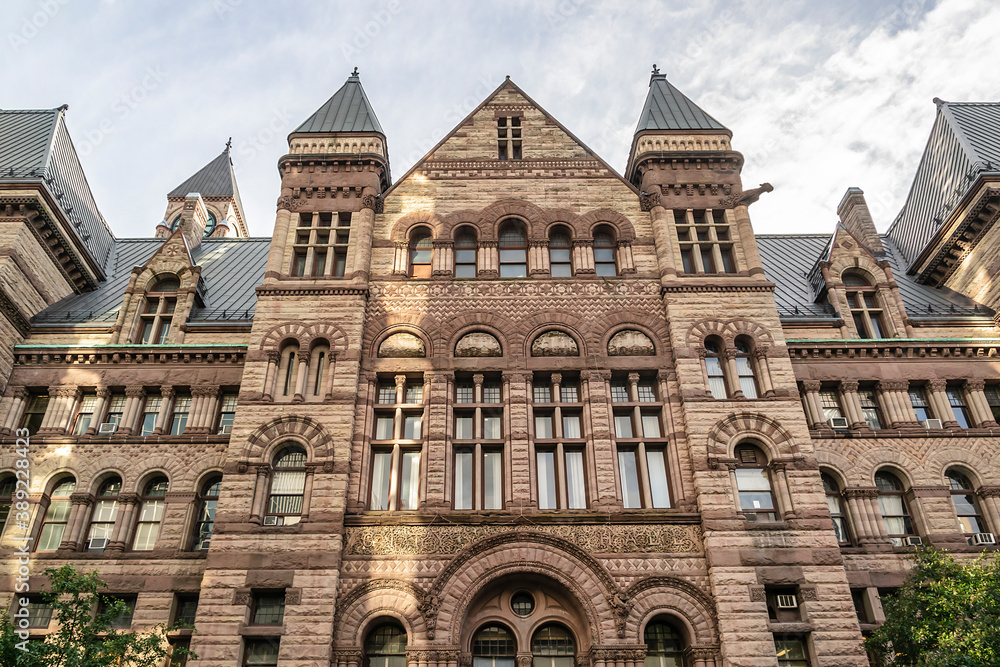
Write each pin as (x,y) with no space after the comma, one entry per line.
(413,540)
(373,202)
(746,197)
(757,594)
(647,200)
(554,344)
(402,346)
(630,343)
(478,344)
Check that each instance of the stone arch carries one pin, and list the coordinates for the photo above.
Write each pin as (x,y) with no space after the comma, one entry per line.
(554,342)
(907,467)
(769,432)
(491,216)
(622,225)
(413,323)
(842,468)
(333,335)
(403,227)
(865,266)
(561,320)
(365,603)
(652,596)
(278,334)
(977,467)
(728,331)
(154,468)
(524,551)
(492,323)
(93,482)
(294,427)
(465,217)
(612,322)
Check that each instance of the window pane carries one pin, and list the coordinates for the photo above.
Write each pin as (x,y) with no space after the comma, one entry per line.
(289,482)
(575,492)
(464,393)
(619,393)
(571,426)
(463,480)
(543,426)
(752,479)
(463,428)
(383,427)
(465,271)
(629,474)
(381,462)
(623,426)
(513,271)
(542,394)
(411,427)
(656,462)
(492,480)
(651,425)
(570,393)
(51,536)
(409,481)
(546,480)
(491,427)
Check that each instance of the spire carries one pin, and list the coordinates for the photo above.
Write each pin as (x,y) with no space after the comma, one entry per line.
(215,184)
(215,179)
(347,111)
(667,108)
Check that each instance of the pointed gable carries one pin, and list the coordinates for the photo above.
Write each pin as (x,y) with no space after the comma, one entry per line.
(667,108)
(215,179)
(347,111)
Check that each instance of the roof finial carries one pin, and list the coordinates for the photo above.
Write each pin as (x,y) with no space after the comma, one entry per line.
(355,72)
(656,70)
(229,144)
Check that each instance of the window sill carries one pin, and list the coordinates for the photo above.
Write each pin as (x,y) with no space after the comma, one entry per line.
(251,630)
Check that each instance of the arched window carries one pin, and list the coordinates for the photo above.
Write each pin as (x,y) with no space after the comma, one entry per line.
(386,646)
(7,485)
(465,254)
(560,251)
(754,484)
(150,514)
(713,368)
(862,297)
(421,249)
(208,500)
(158,313)
(493,646)
(288,484)
(604,253)
(892,504)
(835,502)
(970,518)
(552,646)
(288,368)
(56,516)
(744,368)
(664,645)
(102,520)
(513,248)
(319,365)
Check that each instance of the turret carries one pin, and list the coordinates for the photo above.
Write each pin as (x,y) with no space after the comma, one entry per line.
(215,185)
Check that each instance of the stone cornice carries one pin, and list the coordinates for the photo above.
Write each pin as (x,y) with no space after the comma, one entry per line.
(128,354)
(894,348)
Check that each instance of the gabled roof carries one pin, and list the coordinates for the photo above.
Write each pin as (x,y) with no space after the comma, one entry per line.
(347,111)
(35,147)
(215,179)
(667,108)
(964,143)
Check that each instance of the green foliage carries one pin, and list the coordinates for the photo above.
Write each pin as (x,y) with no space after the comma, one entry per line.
(946,614)
(83,638)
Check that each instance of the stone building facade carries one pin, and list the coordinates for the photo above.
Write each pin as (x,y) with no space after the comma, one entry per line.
(511,408)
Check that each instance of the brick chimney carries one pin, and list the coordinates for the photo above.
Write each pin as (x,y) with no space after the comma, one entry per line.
(854,215)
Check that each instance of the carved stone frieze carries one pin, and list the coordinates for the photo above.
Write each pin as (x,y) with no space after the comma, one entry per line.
(410,540)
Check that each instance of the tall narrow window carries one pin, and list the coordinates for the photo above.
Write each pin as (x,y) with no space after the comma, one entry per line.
(150,413)
(870,409)
(865,311)
(288,483)
(386,646)
(179,418)
(421,250)
(56,516)
(513,249)
(7,486)
(158,314)
(958,408)
(705,241)
(892,504)
(493,646)
(830,403)
(791,651)
(150,515)
(208,501)
(744,369)
(835,503)
(559,462)
(966,508)
(604,253)
(261,652)
(713,368)
(918,399)
(116,409)
(478,438)
(552,646)
(102,520)
(509,138)
(993,400)
(227,413)
(85,415)
(465,254)
(754,485)
(268,608)
(396,446)
(664,645)
(560,264)
(34,412)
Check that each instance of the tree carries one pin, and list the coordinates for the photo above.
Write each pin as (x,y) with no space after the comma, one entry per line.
(946,614)
(83,638)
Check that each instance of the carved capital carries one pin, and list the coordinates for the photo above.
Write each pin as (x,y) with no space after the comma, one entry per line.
(893,385)
(556,378)
(63,392)
(128,498)
(975,385)
(167,391)
(811,385)
(848,386)
(286,202)
(400,380)
(937,385)
(205,391)
(103,392)
(375,202)
(135,391)
(81,498)
(858,492)
(988,492)
(272,356)
(648,200)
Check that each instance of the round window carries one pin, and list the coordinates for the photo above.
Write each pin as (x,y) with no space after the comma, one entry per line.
(522,604)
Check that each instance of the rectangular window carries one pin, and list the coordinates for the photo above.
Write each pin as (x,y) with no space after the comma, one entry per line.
(383,427)
(39,613)
(150,412)
(268,608)
(464,479)
(116,408)
(491,427)
(650,425)
(543,427)
(993,400)
(791,652)
(628,472)
(492,480)
(647,392)
(546,465)
(465,393)
(412,427)
(830,403)
(957,402)
(86,414)
(918,399)
(576,494)
(656,462)
(542,394)
(409,485)
(227,412)
(178,422)
(186,609)
(870,409)
(148,528)
(386,394)
(381,476)
(414,393)
(716,378)
(570,393)
(619,392)
(623,426)
(755,493)
(571,426)
(34,412)
(464,427)
(491,393)
(261,652)
(124,619)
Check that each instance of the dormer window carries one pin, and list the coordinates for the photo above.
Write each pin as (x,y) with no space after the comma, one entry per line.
(866,311)
(158,314)
(509,138)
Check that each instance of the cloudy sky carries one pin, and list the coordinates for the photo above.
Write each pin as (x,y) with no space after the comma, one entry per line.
(819,96)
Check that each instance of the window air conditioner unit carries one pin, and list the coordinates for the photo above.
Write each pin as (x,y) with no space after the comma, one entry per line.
(931,423)
(98,544)
(273,520)
(982,539)
(107,428)
(787,601)
(838,422)
(914,541)
(226,429)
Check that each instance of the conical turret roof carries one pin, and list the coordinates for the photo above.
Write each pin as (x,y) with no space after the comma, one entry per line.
(347,111)
(667,108)
(215,179)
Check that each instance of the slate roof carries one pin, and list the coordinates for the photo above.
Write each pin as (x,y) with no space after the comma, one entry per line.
(231,270)
(667,108)
(347,111)
(789,258)
(964,143)
(35,148)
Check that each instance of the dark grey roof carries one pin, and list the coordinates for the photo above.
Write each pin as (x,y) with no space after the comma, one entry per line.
(964,142)
(667,108)
(35,147)
(347,111)
(231,270)
(215,179)
(789,258)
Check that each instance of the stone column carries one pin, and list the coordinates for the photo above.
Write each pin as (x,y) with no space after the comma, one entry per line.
(538,257)
(102,399)
(442,257)
(861,524)
(167,395)
(362,232)
(781,488)
(18,399)
(269,375)
(260,492)
(77,519)
(437,401)
(979,408)
(852,403)
(400,259)
(814,413)
(134,394)
(989,499)
(747,241)
(583,256)
(276,257)
(123,524)
(307,488)
(732,376)
(57,411)
(302,375)
(937,393)
(623,255)
(662,221)
(763,370)
(516,392)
